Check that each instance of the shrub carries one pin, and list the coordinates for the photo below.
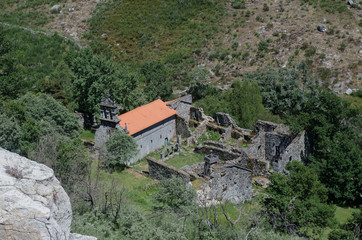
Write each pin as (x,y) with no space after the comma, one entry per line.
(235,46)
(342,46)
(310,51)
(263,46)
(14,171)
(238,4)
(265,7)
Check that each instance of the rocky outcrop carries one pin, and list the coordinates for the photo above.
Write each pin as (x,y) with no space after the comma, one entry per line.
(33,204)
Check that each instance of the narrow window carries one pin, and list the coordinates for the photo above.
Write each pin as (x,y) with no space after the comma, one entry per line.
(290,158)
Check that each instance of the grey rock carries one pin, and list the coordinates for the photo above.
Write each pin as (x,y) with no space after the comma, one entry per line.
(33,204)
(349,91)
(76,236)
(321,28)
(350,2)
(55,9)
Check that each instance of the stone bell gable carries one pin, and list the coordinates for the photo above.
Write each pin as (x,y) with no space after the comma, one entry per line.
(109,121)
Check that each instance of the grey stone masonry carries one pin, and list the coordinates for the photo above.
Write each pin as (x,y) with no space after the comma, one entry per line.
(160,170)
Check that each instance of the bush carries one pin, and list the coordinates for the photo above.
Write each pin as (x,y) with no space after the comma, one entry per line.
(263,46)
(342,46)
(238,4)
(338,234)
(235,46)
(310,51)
(265,7)
(174,193)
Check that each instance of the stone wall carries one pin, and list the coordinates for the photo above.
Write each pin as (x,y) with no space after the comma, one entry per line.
(160,170)
(227,183)
(294,151)
(154,137)
(182,105)
(224,119)
(182,127)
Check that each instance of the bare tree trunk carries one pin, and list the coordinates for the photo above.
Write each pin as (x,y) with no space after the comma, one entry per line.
(227,215)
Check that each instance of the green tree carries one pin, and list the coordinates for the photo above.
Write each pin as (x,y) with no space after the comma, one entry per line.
(281,90)
(120,148)
(174,193)
(47,113)
(158,82)
(335,144)
(296,203)
(10,86)
(245,103)
(93,76)
(72,164)
(10,133)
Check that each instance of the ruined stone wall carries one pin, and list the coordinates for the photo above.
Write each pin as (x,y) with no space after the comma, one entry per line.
(228,183)
(265,126)
(160,170)
(275,144)
(256,148)
(182,127)
(294,151)
(182,105)
(210,147)
(224,119)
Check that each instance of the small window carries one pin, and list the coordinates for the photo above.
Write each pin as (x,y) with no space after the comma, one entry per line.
(151,141)
(140,146)
(160,136)
(290,158)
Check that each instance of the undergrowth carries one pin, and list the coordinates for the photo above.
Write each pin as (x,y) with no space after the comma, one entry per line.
(141,30)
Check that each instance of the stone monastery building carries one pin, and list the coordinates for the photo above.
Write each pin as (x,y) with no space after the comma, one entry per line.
(152,125)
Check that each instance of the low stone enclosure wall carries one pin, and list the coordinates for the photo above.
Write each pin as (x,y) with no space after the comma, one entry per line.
(159,170)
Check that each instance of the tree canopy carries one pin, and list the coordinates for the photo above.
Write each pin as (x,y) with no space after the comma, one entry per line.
(296,202)
(120,148)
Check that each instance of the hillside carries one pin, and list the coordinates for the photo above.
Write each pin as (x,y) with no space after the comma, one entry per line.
(226,39)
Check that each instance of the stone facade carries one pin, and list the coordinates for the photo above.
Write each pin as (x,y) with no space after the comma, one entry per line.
(154,137)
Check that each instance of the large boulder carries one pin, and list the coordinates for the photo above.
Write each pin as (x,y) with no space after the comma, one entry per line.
(33,204)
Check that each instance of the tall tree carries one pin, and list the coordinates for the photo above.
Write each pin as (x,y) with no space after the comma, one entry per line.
(93,76)
(158,83)
(296,203)
(336,152)
(120,148)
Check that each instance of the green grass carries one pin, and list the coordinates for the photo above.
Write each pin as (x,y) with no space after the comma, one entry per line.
(342,215)
(138,188)
(30,13)
(142,30)
(184,159)
(87,135)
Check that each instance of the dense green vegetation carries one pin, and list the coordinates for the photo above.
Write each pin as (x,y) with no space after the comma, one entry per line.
(159,30)
(243,101)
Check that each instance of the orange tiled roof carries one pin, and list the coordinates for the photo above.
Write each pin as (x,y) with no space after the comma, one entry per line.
(145,116)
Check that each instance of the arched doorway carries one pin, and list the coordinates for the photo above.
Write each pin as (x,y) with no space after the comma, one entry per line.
(166,141)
